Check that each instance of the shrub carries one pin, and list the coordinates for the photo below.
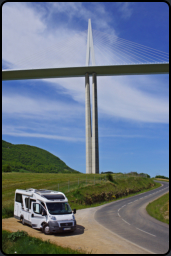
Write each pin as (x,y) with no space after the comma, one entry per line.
(77,194)
(15,235)
(161,177)
(6,168)
(145,175)
(109,177)
(106,172)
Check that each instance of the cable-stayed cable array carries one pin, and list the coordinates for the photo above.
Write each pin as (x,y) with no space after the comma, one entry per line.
(70,51)
(112,50)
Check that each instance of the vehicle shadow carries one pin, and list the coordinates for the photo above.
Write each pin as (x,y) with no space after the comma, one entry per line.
(79,231)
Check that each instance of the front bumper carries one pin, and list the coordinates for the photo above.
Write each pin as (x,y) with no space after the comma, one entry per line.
(55,228)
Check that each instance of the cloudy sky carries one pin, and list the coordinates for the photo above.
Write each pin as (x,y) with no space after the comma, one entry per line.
(133,111)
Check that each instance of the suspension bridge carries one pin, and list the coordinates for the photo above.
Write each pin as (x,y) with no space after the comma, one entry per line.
(106,55)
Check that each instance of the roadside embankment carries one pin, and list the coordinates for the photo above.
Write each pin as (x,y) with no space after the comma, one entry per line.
(94,195)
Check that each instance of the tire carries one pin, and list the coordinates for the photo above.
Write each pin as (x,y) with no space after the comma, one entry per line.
(46,229)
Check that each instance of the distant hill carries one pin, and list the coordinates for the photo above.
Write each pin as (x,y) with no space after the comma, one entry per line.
(25,158)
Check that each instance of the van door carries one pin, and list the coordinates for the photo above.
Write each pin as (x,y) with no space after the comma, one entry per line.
(26,210)
(18,204)
(16,211)
(30,201)
(36,215)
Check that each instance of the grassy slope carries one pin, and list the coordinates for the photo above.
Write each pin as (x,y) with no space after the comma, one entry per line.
(159,208)
(14,180)
(32,159)
(98,194)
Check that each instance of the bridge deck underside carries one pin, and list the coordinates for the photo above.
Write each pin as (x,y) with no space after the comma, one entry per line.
(137,69)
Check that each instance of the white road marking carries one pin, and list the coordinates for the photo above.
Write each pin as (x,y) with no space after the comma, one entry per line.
(135,201)
(145,231)
(126,222)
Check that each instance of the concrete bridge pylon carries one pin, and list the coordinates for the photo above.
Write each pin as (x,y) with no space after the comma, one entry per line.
(92,145)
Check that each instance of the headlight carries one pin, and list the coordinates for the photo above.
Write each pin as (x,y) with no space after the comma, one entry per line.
(52,217)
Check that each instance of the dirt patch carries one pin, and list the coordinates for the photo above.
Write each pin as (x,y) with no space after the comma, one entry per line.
(89,236)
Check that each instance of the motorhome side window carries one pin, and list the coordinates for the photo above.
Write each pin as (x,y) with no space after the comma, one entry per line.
(31,200)
(27,202)
(18,198)
(37,208)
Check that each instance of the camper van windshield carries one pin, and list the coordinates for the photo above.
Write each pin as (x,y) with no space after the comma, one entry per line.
(59,208)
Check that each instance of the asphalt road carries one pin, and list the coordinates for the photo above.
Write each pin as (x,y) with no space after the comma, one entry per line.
(128,218)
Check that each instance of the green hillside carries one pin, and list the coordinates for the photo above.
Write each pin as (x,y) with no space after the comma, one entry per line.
(25,158)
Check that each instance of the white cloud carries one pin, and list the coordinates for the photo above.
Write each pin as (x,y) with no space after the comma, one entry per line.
(124,97)
(34,108)
(118,97)
(27,42)
(20,133)
(30,46)
(125,9)
(99,17)
(121,99)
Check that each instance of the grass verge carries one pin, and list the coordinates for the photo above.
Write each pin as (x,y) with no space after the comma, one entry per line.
(11,244)
(167,180)
(159,208)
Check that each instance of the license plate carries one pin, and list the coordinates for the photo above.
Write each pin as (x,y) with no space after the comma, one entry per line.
(67,228)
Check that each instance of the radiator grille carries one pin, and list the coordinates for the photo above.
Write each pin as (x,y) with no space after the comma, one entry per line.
(66,224)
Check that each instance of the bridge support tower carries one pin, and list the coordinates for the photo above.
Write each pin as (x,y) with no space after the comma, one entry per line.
(92,144)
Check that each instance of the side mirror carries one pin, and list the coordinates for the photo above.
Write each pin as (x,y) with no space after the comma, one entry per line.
(74,211)
(44,213)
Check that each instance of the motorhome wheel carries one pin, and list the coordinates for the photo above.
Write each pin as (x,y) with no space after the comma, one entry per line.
(46,229)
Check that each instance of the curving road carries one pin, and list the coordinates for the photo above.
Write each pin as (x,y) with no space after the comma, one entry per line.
(128,218)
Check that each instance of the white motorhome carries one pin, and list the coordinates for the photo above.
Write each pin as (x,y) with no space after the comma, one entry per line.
(44,209)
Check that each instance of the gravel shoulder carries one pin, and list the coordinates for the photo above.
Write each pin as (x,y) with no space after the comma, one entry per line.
(89,236)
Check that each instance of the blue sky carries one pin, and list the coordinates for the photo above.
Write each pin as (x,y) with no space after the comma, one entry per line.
(133,111)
